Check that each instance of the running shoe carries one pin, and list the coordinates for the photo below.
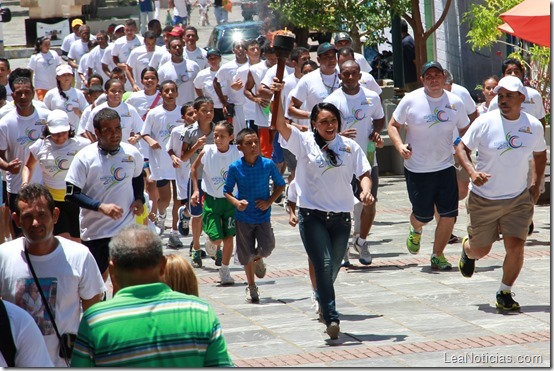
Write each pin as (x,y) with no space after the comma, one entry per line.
(412,243)
(505,301)
(225,276)
(363,251)
(197,259)
(333,330)
(252,294)
(211,248)
(160,223)
(184,221)
(465,264)
(191,249)
(174,241)
(453,239)
(259,268)
(440,263)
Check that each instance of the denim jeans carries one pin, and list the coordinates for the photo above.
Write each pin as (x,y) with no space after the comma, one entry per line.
(325,237)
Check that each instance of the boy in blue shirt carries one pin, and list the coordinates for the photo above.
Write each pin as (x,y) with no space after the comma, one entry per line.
(251,174)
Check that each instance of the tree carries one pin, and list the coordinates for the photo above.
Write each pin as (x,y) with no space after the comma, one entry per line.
(484,20)
(409,10)
(358,17)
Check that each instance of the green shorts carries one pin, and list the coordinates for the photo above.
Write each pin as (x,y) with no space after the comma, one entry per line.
(218,218)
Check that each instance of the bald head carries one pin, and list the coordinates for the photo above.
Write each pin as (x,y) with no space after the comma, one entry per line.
(349,64)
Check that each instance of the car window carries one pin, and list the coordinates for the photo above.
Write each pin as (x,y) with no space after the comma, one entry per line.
(226,40)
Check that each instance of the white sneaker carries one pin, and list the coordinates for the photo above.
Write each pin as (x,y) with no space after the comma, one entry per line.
(363,250)
(160,223)
(225,276)
(174,241)
(210,247)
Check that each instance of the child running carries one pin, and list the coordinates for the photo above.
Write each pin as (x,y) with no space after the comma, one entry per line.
(218,221)
(252,174)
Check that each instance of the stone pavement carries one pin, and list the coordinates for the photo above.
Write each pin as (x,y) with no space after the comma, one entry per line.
(395,312)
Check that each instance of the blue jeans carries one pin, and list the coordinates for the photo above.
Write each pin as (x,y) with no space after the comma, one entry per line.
(221,14)
(325,237)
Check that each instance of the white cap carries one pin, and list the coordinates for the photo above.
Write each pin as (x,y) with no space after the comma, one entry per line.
(510,83)
(118,27)
(62,69)
(57,122)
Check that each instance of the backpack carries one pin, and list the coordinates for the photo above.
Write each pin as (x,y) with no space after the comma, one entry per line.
(7,346)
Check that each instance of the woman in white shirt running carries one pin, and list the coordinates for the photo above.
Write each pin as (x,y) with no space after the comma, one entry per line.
(43,64)
(54,152)
(326,163)
(65,97)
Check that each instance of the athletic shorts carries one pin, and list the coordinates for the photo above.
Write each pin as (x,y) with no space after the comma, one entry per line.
(196,210)
(247,235)
(68,221)
(100,251)
(427,190)
(513,216)
(357,189)
(162,183)
(277,155)
(290,159)
(218,218)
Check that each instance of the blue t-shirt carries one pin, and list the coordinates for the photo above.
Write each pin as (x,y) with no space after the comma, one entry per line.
(146,6)
(253,184)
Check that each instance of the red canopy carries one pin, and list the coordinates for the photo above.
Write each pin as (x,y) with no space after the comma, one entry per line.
(529,21)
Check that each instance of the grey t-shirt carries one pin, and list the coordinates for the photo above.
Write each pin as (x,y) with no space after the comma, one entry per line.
(191,136)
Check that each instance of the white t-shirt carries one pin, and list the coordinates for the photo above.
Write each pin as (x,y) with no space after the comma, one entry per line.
(142,104)
(216,165)
(108,179)
(95,62)
(183,74)
(182,174)
(368,82)
(314,87)
(30,348)
(249,107)
(364,65)
(533,103)
(17,134)
(180,8)
(123,47)
(258,72)
(76,101)
(84,119)
(157,57)
(66,275)
(82,69)
(431,126)
(54,160)
(77,50)
(225,76)
(139,60)
(358,112)
(44,69)
(131,122)
(205,81)
(107,57)
(158,125)
(464,95)
(504,147)
(68,40)
(319,184)
(198,55)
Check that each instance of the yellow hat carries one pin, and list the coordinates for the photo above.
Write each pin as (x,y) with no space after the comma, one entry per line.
(76,22)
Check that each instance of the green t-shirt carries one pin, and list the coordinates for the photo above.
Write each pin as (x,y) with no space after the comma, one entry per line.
(150,326)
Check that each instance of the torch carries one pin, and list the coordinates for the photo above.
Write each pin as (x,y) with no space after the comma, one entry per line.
(283,41)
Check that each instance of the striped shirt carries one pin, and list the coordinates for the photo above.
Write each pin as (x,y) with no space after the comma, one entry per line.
(253,184)
(150,326)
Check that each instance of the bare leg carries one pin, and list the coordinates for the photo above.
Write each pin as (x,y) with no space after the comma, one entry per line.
(249,270)
(175,209)
(196,224)
(227,250)
(513,261)
(442,234)
(368,216)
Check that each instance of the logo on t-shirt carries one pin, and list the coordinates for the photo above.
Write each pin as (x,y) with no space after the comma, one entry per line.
(525,129)
(27,296)
(512,142)
(31,135)
(60,164)
(438,116)
(117,174)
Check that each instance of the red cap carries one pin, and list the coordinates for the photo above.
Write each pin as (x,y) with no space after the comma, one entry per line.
(176,32)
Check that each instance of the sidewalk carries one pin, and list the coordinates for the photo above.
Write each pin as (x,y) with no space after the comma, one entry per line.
(395,312)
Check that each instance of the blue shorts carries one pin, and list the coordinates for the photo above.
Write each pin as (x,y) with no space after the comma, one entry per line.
(178,19)
(196,210)
(277,155)
(427,190)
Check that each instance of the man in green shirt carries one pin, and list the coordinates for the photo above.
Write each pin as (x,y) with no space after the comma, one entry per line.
(146,324)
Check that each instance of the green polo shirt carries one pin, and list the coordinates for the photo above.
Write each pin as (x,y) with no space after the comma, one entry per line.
(150,326)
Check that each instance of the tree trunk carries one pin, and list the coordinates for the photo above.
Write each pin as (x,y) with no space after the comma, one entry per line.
(355,35)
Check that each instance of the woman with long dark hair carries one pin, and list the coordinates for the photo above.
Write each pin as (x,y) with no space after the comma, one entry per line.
(43,63)
(326,163)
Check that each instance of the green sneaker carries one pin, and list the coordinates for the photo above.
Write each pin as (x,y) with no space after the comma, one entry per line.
(465,264)
(440,263)
(197,259)
(504,301)
(412,243)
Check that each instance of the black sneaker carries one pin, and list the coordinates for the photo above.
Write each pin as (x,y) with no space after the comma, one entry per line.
(465,264)
(505,301)
(531,228)
(191,249)
(453,239)
(218,258)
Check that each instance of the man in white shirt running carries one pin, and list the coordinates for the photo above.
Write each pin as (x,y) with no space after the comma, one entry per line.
(500,200)
(432,115)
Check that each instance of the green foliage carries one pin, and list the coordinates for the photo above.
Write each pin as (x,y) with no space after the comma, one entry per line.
(368,18)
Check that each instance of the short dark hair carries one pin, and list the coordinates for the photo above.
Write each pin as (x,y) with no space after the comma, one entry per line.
(346,51)
(136,247)
(150,35)
(5,60)
(185,106)
(226,125)
(95,76)
(297,52)
(198,102)
(512,61)
(165,82)
(105,114)
(149,69)
(152,23)
(131,22)
(309,62)
(191,28)
(32,192)
(244,132)
(21,80)
(403,26)
(19,72)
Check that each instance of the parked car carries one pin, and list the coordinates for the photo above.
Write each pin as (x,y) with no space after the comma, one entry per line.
(223,35)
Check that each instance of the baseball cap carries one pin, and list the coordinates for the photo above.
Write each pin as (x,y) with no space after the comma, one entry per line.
(431,64)
(325,47)
(213,52)
(341,36)
(510,83)
(57,122)
(76,22)
(119,27)
(62,69)
(176,32)
(111,27)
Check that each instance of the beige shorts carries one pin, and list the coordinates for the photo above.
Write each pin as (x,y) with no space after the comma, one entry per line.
(485,216)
